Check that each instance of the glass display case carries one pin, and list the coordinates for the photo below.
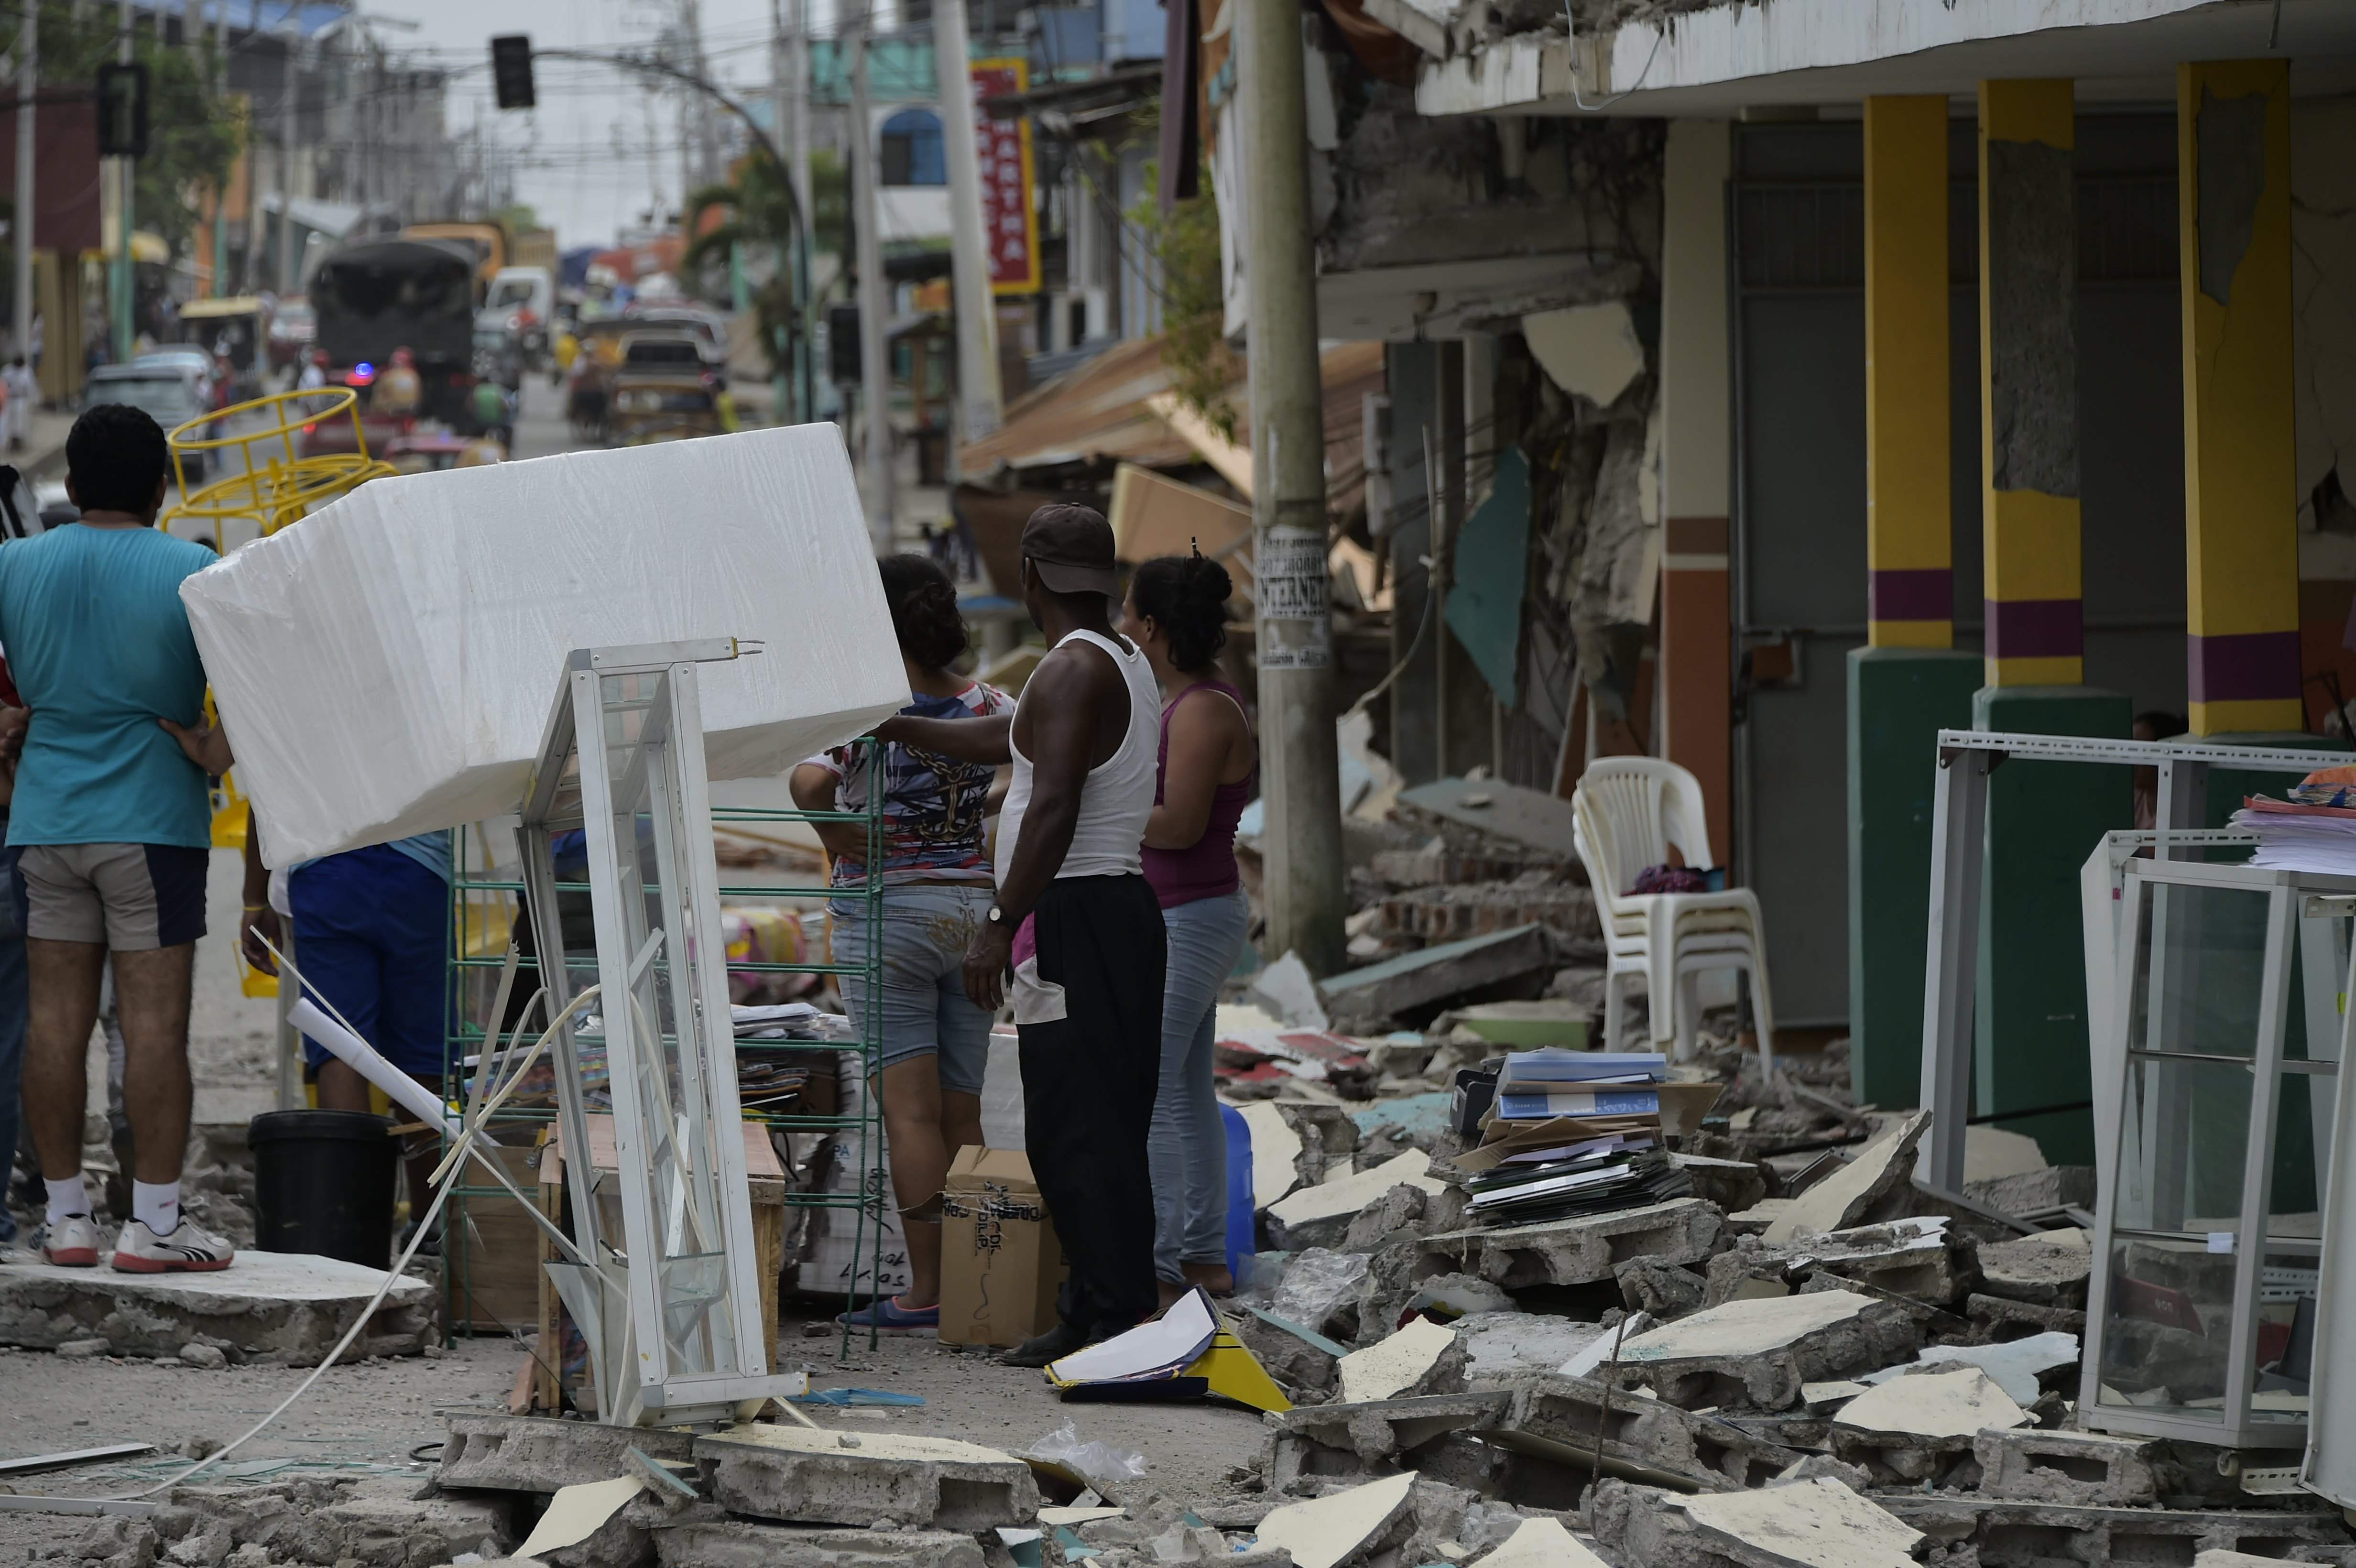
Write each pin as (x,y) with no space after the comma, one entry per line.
(2227,1033)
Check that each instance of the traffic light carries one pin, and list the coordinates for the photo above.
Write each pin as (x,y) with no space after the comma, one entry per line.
(511,70)
(122,112)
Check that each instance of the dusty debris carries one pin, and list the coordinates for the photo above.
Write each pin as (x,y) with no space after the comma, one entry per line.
(1565,1418)
(1417,985)
(1756,1355)
(1322,1215)
(2084,1468)
(274,1308)
(1910,1429)
(807,1477)
(1921,1260)
(2078,1534)
(1307,1445)
(1328,1531)
(1584,1250)
(1395,1365)
(1849,1196)
(2018,1366)
(2041,1272)
(1813,1524)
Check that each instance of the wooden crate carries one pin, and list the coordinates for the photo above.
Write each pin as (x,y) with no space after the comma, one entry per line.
(493,1282)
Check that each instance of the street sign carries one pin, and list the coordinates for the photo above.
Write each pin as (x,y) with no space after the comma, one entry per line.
(511,70)
(1010,218)
(122,112)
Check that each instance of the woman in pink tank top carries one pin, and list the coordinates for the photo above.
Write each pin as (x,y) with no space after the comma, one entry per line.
(1209,772)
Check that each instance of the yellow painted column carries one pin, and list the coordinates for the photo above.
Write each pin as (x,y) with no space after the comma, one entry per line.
(2241,485)
(1909,534)
(2029,384)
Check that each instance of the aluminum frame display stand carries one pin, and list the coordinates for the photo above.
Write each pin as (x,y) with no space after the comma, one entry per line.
(671,1307)
(1958,864)
(2201,1314)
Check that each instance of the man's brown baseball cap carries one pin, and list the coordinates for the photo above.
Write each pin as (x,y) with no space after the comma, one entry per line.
(1072,548)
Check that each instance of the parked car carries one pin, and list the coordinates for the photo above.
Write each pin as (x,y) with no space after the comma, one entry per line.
(192,361)
(168,393)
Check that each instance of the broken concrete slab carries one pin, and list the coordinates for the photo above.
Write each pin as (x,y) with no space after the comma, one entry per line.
(1826,1525)
(1756,1354)
(1394,1366)
(1912,1429)
(1396,1210)
(1483,967)
(807,1477)
(1561,1418)
(1498,1346)
(1731,1184)
(741,1543)
(1275,1149)
(2036,1271)
(1996,1320)
(2006,1532)
(1847,1196)
(2017,1365)
(1297,1364)
(1540,1543)
(1320,1216)
(2090,1468)
(1922,1259)
(1662,1290)
(272,1308)
(386,1527)
(2045,1190)
(1312,1443)
(1326,1531)
(1819,1523)
(1582,1251)
(535,1454)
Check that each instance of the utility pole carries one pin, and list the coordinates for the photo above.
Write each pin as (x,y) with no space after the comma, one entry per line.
(799,171)
(789,256)
(1304,840)
(126,275)
(976,315)
(28,82)
(874,382)
(289,104)
(221,196)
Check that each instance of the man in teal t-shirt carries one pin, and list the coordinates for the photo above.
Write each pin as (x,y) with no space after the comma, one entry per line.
(113,828)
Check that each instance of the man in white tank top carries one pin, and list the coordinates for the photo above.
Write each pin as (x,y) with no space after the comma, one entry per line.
(1076,925)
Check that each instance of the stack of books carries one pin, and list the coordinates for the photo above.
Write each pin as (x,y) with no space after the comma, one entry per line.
(1592,1176)
(1596,1086)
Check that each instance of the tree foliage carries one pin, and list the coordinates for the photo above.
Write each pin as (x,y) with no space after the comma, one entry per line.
(760,214)
(194,137)
(1185,242)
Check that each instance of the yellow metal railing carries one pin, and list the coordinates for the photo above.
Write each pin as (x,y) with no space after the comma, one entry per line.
(278,484)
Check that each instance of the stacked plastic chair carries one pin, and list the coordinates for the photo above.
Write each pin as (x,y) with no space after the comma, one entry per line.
(1628,811)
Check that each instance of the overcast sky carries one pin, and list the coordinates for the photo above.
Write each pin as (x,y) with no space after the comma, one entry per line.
(586,148)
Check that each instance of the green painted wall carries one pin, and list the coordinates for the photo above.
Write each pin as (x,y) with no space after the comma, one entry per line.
(2043,820)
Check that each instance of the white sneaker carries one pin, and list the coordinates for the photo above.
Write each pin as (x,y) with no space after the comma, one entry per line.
(71,1242)
(188,1248)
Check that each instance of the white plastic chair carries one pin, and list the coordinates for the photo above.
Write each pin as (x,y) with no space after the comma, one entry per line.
(1627,812)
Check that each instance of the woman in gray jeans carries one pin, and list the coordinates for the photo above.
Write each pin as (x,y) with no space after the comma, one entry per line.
(1176,614)
(937,886)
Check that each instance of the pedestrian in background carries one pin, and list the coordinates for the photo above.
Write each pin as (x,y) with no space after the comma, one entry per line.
(937,889)
(1207,773)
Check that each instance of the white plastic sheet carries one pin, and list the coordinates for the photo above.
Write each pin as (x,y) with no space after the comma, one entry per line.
(387,666)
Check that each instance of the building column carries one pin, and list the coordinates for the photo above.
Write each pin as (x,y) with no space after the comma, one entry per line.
(2241,500)
(1908,682)
(2043,820)
(1697,663)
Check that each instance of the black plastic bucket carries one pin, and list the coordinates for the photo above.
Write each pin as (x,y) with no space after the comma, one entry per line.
(323,1183)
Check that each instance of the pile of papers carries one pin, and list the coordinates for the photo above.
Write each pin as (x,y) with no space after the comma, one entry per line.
(2293,836)
(1573,1133)
(1592,1176)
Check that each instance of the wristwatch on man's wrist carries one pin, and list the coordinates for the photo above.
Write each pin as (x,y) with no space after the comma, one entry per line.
(996,916)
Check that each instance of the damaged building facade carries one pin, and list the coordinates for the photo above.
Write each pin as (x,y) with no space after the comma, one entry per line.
(1800,378)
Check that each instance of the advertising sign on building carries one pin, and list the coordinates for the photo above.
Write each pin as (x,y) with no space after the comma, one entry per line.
(1009,215)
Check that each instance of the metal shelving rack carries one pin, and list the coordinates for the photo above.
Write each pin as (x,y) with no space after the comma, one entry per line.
(484,900)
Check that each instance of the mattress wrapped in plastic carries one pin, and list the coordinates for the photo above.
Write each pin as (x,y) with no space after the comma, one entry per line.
(387,666)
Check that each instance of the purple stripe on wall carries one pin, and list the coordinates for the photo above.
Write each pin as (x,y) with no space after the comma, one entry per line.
(2036,629)
(2243,668)
(1924,595)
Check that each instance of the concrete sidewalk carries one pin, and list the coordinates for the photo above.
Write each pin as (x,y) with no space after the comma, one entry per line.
(44,456)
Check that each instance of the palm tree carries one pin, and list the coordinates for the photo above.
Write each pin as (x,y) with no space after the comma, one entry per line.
(760,209)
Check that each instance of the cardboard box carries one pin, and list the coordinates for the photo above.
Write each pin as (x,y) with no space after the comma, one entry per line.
(1001,1261)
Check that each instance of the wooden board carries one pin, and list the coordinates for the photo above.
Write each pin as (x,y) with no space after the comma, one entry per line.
(489,1245)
